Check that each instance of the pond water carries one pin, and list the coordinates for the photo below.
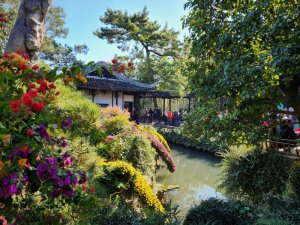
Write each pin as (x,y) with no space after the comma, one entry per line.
(196,174)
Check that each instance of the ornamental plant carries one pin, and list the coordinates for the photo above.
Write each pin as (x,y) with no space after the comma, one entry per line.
(35,168)
(135,179)
(161,150)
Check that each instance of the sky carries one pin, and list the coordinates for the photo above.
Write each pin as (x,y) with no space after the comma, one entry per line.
(82,18)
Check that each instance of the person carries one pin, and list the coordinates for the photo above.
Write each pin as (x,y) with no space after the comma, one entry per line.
(156,115)
(165,117)
(285,129)
(151,115)
(176,119)
(170,117)
(135,116)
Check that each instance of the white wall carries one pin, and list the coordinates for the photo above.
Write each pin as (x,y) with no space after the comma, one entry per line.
(106,98)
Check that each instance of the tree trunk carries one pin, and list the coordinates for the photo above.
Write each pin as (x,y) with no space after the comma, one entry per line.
(30,27)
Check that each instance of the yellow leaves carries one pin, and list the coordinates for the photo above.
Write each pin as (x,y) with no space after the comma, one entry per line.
(139,182)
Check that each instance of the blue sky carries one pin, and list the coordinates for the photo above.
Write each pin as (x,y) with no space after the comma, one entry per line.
(82,18)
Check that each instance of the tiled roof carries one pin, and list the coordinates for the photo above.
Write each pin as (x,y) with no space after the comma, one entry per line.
(160,94)
(106,84)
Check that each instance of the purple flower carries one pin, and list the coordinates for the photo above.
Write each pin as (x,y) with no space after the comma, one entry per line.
(74,180)
(51,160)
(5,181)
(66,123)
(42,171)
(59,182)
(12,189)
(67,180)
(42,130)
(53,171)
(69,172)
(82,180)
(25,180)
(55,193)
(68,192)
(64,144)
(65,155)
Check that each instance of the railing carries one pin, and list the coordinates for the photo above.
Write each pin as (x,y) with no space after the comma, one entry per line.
(284,146)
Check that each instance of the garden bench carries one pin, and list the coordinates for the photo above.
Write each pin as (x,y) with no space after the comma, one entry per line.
(284,146)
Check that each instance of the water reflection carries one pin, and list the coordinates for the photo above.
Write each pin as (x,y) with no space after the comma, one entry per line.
(197,177)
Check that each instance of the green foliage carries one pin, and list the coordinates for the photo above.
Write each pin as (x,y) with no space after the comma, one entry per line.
(276,221)
(120,212)
(216,211)
(251,174)
(295,178)
(141,154)
(79,108)
(115,124)
(154,46)
(180,137)
(247,51)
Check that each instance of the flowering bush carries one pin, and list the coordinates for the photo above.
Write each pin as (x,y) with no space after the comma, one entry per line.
(160,149)
(136,180)
(33,161)
(119,65)
(156,134)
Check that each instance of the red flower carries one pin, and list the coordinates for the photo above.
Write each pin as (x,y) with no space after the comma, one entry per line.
(23,67)
(32,93)
(130,64)
(29,132)
(27,99)
(37,106)
(14,105)
(122,67)
(30,86)
(92,190)
(114,61)
(60,215)
(35,67)
(52,86)
(24,54)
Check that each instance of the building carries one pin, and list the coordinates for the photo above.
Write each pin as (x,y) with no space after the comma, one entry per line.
(111,89)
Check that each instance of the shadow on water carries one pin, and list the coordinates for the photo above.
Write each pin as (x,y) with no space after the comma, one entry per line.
(196,174)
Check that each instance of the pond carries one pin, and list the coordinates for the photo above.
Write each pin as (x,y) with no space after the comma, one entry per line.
(196,174)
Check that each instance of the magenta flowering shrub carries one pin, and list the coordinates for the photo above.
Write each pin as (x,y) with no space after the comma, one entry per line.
(33,161)
(160,148)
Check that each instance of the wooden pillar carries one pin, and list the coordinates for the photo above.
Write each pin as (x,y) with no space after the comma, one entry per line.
(93,95)
(170,104)
(117,98)
(164,105)
(189,104)
(112,98)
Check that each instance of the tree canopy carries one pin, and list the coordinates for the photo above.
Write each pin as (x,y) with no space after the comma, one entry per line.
(151,42)
(247,51)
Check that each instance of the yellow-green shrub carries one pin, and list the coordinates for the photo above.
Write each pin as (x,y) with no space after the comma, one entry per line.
(83,112)
(136,180)
(109,112)
(116,124)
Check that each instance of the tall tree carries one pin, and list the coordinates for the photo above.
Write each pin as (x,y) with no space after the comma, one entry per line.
(151,41)
(29,28)
(51,51)
(247,51)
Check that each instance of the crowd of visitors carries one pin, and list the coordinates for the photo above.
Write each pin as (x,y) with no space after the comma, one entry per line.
(171,118)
